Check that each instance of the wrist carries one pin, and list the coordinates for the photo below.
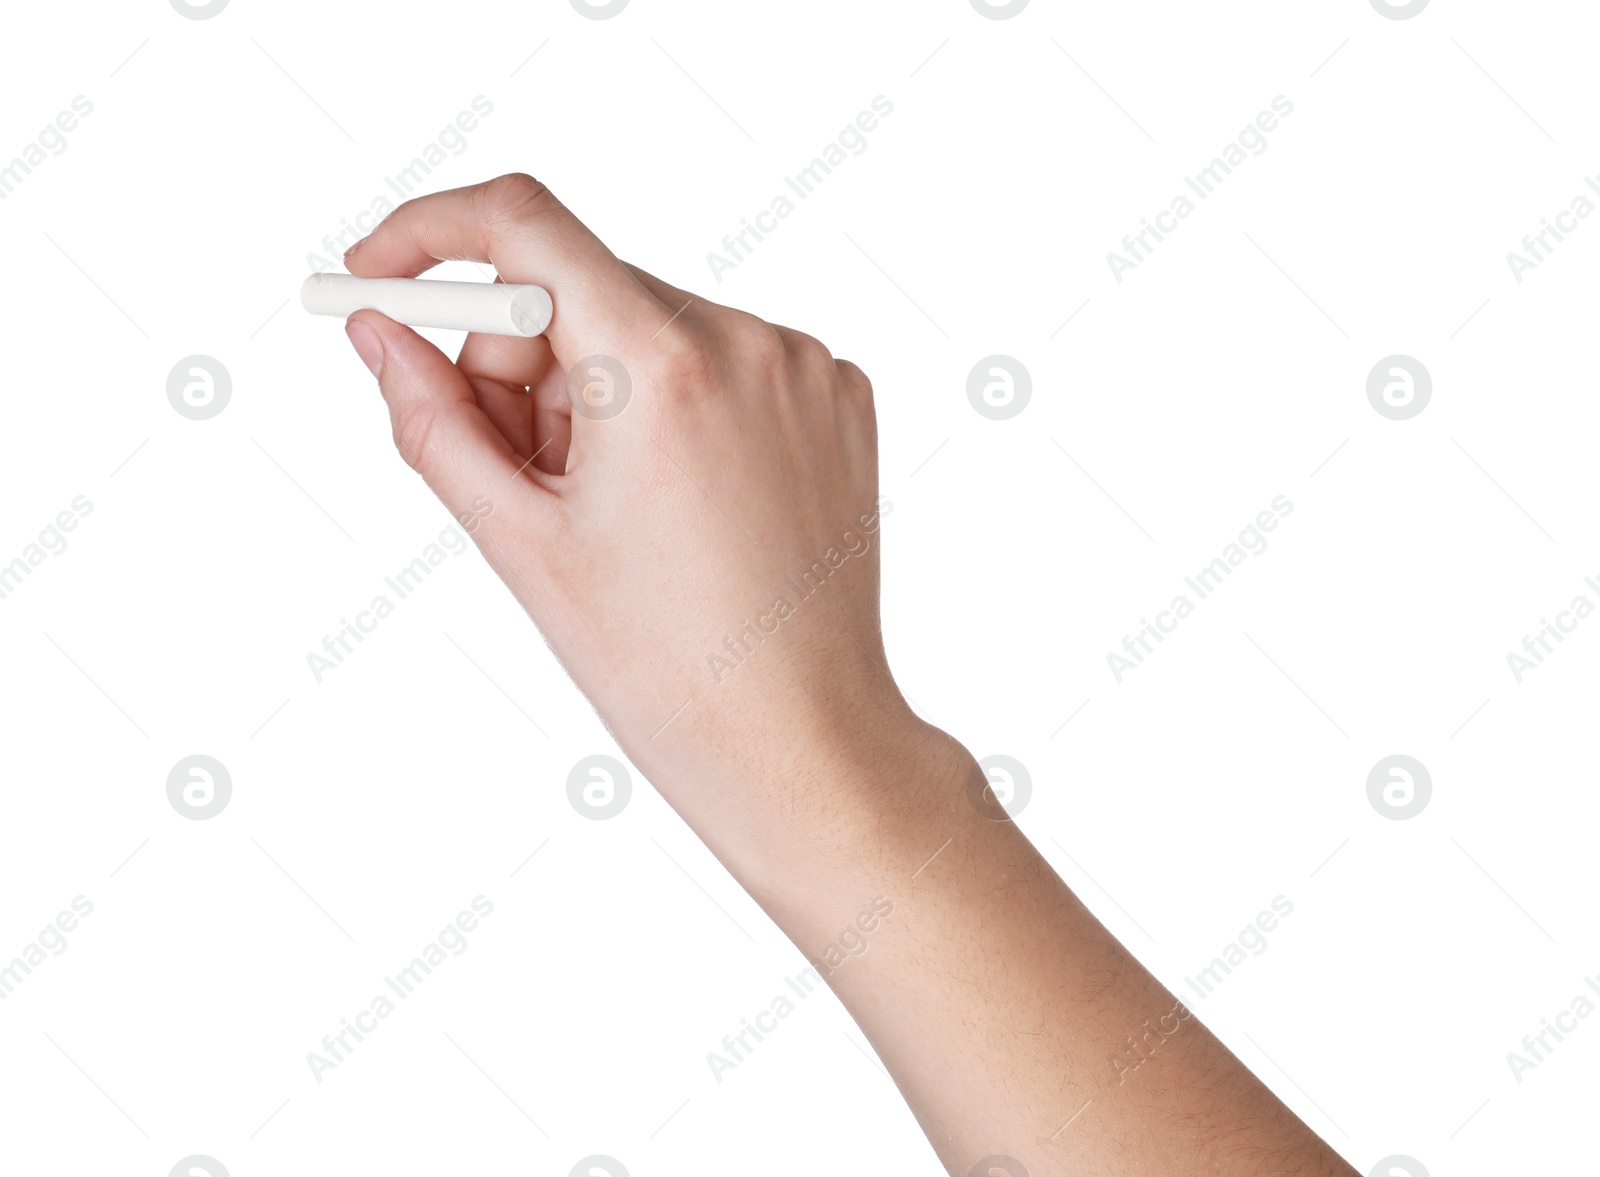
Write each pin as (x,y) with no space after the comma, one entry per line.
(853,817)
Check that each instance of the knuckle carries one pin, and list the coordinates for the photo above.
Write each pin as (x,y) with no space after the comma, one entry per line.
(755,342)
(854,380)
(413,436)
(515,196)
(809,353)
(683,366)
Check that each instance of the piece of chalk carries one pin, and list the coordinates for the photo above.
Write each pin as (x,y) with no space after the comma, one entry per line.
(493,308)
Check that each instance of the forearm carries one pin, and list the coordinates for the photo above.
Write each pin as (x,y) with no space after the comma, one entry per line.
(1001,1006)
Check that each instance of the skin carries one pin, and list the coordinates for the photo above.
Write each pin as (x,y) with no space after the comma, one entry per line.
(640,542)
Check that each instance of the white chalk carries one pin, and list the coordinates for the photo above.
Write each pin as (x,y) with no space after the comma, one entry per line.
(492,308)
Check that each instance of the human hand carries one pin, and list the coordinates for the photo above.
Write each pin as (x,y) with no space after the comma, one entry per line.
(684,496)
(662,543)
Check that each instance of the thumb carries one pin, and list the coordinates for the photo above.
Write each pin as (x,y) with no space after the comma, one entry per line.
(440,430)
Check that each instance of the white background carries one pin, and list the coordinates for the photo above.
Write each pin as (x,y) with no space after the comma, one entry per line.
(1227,369)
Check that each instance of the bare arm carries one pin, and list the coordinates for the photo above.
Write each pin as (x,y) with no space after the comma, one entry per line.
(1014,1023)
(684,498)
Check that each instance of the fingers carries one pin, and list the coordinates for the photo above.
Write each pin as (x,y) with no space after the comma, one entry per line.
(855,380)
(441,431)
(505,359)
(499,369)
(552,422)
(523,392)
(510,411)
(528,235)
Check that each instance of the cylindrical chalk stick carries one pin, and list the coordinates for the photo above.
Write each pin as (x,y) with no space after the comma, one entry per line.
(493,308)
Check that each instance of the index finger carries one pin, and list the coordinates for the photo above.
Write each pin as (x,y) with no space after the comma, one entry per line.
(516,224)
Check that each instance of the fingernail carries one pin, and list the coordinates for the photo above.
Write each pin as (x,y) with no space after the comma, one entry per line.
(353,248)
(367,344)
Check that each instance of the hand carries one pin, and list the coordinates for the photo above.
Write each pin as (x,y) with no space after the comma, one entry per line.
(684,497)
(662,538)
